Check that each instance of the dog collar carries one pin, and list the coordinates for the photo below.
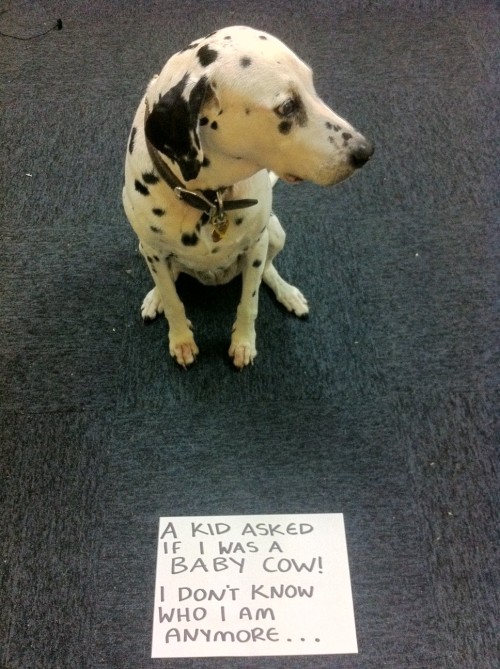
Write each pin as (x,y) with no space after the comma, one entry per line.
(216,208)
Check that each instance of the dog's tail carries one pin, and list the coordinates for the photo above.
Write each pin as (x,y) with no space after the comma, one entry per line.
(273,178)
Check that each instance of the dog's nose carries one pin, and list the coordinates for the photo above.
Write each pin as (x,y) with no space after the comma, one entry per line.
(362,152)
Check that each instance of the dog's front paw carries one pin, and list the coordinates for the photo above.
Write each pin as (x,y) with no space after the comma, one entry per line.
(183,347)
(151,305)
(242,350)
(294,301)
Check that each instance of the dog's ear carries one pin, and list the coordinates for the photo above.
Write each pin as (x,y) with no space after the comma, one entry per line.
(172,126)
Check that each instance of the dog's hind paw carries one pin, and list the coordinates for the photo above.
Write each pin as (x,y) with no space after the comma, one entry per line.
(152,305)
(294,301)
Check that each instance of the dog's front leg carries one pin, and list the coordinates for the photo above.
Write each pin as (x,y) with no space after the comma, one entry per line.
(242,348)
(181,341)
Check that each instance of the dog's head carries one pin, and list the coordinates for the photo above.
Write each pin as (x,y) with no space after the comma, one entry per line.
(242,95)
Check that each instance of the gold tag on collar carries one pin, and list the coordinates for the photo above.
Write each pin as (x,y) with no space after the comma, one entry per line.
(220,224)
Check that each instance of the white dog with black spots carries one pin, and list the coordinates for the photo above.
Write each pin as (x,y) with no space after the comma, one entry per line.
(225,118)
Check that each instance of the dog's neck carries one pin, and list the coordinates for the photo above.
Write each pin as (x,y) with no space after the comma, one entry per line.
(222,172)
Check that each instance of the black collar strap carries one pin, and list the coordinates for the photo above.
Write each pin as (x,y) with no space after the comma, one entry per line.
(195,199)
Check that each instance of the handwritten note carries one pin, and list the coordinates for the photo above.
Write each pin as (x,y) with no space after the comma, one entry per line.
(252,585)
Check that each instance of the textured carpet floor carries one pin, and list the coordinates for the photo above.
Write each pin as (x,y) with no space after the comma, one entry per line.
(381,405)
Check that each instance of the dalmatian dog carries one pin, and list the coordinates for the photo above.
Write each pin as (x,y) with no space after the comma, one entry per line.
(225,118)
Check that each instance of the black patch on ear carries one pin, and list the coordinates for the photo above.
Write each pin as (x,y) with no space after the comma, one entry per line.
(172,125)
(206,55)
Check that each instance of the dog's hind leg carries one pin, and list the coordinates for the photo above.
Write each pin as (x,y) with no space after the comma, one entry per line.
(287,294)
(151,305)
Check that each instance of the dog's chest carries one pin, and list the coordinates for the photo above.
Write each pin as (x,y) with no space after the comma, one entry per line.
(193,240)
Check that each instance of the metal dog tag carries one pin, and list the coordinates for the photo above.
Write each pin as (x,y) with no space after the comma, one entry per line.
(220,224)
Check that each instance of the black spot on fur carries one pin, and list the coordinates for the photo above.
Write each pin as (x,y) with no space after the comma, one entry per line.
(329,125)
(159,212)
(150,178)
(331,139)
(203,121)
(254,293)
(245,61)
(141,188)
(206,55)
(257,263)
(206,162)
(132,139)
(154,229)
(189,240)
(262,37)
(285,127)
(239,220)
(228,37)
(347,136)
(214,125)
(336,128)
(150,260)
(247,111)
(204,218)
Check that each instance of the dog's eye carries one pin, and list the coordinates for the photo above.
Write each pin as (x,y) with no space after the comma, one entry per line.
(288,108)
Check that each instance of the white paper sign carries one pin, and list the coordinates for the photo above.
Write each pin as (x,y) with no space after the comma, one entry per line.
(253,585)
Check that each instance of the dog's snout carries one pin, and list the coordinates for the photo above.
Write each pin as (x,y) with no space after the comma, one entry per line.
(362,152)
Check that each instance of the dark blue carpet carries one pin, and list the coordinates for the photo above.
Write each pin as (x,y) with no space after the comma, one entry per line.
(382,405)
